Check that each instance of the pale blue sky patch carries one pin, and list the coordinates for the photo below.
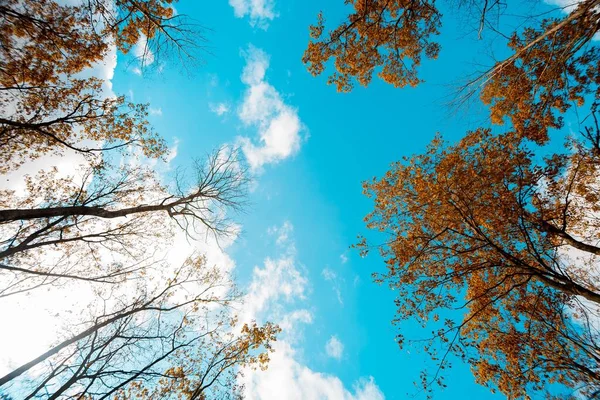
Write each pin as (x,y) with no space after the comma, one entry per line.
(334,348)
(259,12)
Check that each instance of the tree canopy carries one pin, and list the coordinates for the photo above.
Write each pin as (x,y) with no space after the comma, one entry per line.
(151,329)
(494,227)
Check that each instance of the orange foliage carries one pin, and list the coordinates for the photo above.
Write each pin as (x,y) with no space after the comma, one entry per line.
(393,35)
(476,227)
(546,75)
(550,69)
(46,107)
(210,372)
(486,227)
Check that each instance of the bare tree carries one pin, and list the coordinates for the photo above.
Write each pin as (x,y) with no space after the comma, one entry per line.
(150,332)
(178,339)
(62,229)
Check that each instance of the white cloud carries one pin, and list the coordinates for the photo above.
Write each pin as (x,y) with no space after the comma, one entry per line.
(278,281)
(334,348)
(282,232)
(155,111)
(275,287)
(343,258)
(292,325)
(366,389)
(287,378)
(566,5)
(143,53)
(26,339)
(278,124)
(260,12)
(136,70)
(213,80)
(330,276)
(220,108)
(291,320)
(172,153)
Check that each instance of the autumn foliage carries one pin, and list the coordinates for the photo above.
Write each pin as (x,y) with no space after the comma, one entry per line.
(553,69)
(479,227)
(392,35)
(491,241)
(48,105)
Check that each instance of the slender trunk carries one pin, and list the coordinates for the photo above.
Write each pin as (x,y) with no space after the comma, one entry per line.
(93,329)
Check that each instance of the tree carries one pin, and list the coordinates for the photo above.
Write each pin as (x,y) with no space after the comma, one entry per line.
(151,331)
(47,106)
(392,35)
(63,229)
(552,67)
(487,240)
(480,227)
(50,110)
(176,341)
(45,40)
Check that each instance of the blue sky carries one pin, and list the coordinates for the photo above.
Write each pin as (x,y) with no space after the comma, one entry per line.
(292,256)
